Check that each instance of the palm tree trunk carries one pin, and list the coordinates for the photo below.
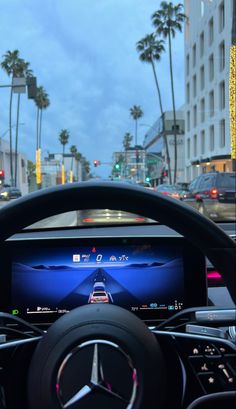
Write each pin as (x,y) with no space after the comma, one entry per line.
(173,103)
(40,127)
(37,130)
(10,137)
(163,123)
(16,141)
(136,132)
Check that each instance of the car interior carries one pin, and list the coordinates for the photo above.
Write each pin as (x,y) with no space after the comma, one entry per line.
(135,316)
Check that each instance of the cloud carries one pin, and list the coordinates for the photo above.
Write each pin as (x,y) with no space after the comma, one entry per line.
(83,53)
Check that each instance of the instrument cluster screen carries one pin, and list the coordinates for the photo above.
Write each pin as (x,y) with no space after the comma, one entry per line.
(147,279)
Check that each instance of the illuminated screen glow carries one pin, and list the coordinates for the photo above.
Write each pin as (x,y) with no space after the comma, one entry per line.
(136,277)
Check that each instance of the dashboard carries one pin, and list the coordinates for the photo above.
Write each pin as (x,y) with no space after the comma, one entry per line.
(150,276)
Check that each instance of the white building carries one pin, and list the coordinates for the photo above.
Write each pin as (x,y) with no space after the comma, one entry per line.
(207,120)
(155,148)
(131,164)
(51,169)
(22,180)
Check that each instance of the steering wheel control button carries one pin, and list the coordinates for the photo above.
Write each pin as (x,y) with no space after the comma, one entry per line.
(226,349)
(210,382)
(211,351)
(200,364)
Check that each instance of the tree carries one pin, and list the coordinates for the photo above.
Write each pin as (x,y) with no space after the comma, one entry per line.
(10,66)
(150,50)
(168,20)
(22,70)
(64,139)
(127,140)
(73,151)
(136,112)
(42,102)
(126,144)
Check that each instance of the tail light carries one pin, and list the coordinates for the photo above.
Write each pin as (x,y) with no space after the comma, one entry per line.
(214,193)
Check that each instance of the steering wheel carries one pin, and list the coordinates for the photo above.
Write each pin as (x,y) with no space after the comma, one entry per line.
(92,348)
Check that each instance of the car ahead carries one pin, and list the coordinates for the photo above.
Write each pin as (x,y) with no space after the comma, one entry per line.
(214,195)
(169,190)
(98,297)
(8,193)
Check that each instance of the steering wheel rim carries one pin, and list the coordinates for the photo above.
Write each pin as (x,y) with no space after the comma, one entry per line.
(205,234)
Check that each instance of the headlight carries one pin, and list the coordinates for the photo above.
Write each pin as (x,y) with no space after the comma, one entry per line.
(4,194)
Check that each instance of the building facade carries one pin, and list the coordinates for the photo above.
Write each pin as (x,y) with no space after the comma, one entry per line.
(207,54)
(51,169)
(130,164)
(156,152)
(22,180)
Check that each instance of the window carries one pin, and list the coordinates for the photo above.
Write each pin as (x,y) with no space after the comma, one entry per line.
(194,55)
(194,85)
(206,182)
(187,64)
(203,142)
(211,67)
(212,138)
(202,44)
(222,133)
(202,77)
(222,95)
(188,93)
(202,105)
(222,56)
(194,145)
(211,31)
(221,17)
(211,103)
(188,148)
(188,121)
(195,115)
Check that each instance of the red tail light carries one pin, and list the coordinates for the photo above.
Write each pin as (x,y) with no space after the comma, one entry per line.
(214,193)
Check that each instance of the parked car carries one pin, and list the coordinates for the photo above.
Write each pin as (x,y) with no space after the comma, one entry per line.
(169,190)
(8,193)
(214,195)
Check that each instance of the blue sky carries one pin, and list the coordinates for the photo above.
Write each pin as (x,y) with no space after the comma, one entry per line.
(83,53)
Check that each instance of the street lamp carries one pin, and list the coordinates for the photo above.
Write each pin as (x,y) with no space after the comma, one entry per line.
(13,126)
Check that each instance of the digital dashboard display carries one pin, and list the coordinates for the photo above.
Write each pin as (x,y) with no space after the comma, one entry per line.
(143,278)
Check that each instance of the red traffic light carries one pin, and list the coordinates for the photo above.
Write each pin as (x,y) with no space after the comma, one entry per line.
(2,173)
(96,163)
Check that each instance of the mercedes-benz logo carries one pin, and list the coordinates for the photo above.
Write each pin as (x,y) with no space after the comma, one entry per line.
(96,374)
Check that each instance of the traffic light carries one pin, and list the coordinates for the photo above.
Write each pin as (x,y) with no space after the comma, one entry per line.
(2,176)
(31,87)
(96,163)
(164,173)
(117,166)
(147,179)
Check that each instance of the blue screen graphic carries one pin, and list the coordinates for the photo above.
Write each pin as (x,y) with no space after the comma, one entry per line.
(136,277)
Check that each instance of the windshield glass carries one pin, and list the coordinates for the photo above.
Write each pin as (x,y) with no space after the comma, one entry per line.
(106,90)
(227,180)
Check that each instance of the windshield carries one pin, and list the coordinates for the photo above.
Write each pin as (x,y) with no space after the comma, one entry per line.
(227,180)
(105,90)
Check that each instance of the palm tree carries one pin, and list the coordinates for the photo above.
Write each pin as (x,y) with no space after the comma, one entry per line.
(9,65)
(150,50)
(63,138)
(127,140)
(42,102)
(126,144)
(136,112)
(78,157)
(168,20)
(73,151)
(22,70)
